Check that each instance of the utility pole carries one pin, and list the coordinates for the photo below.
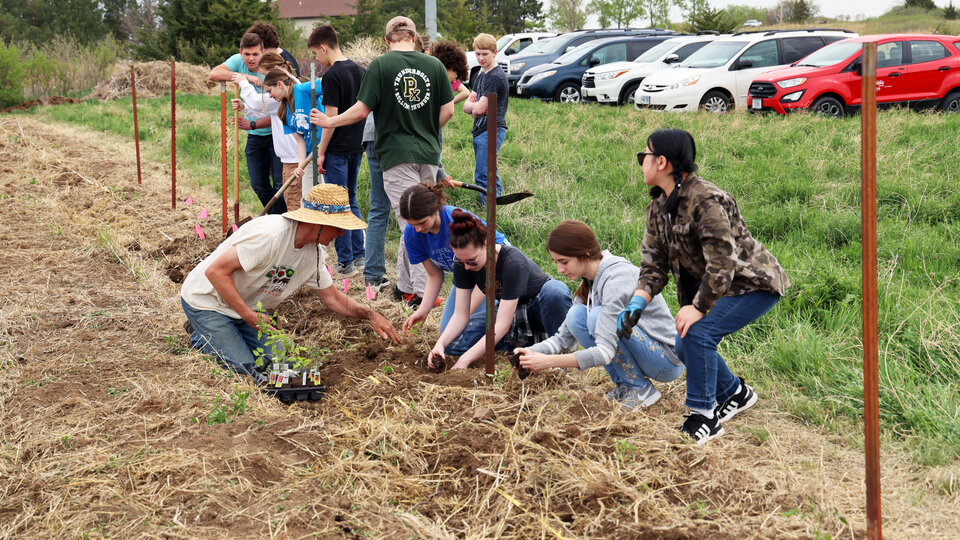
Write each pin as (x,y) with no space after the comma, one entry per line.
(431,16)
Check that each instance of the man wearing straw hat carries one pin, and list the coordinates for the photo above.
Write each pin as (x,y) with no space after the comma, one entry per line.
(263,263)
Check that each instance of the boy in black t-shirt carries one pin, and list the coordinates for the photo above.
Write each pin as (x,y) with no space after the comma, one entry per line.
(340,149)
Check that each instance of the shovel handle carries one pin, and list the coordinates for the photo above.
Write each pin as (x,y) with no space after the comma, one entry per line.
(276,196)
(474,187)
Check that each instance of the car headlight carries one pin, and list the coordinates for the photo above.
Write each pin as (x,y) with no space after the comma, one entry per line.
(792,97)
(689,81)
(541,76)
(610,75)
(517,66)
(790,83)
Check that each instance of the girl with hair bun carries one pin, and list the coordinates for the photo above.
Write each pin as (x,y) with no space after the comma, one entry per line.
(532,305)
(725,278)
(427,240)
(605,287)
(257,106)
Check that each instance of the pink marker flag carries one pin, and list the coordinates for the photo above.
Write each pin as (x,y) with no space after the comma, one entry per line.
(204,214)
(346,284)
(371,294)
(234,227)
(189,200)
(199,232)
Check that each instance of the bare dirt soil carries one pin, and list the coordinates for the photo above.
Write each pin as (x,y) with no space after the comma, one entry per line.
(105,413)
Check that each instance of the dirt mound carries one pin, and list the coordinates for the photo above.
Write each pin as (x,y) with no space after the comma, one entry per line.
(39,102)
(153,80)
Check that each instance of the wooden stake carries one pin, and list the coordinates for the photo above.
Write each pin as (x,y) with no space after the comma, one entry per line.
(223,151)
(868,195)
(173,133)
(236,160)
(136,124)
(313,128)
(491,229)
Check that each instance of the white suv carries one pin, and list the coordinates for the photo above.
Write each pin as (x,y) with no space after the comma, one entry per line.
(617,82)
(512,43)
(717,77)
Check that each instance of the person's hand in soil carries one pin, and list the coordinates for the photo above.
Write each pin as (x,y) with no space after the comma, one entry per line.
(416,318)
(535,361)
(236,104)
(383,327)
(436,352)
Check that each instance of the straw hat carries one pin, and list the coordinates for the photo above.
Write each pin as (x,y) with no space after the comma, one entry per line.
(327,204)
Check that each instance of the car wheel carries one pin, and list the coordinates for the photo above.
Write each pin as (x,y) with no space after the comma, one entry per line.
(829,106)
(628,92)
(716,102)
(568,93)
(473,77)
(951,102)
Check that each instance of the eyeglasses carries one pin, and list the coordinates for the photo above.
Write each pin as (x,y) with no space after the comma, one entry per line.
(471,263)
(643,155)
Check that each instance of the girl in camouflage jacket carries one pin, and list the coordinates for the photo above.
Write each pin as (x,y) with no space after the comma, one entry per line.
(725,278)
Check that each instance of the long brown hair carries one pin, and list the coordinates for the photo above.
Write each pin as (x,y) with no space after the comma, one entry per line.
(421,200)
(278,75)
(572,238)
(466,230)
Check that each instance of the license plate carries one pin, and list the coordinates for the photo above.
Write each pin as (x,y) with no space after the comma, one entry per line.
(644,100)
(756,103)
(519,90)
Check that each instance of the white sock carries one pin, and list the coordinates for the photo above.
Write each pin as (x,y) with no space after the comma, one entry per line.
(739,387)
(705,412)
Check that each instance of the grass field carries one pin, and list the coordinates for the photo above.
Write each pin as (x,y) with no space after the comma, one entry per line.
(797,182)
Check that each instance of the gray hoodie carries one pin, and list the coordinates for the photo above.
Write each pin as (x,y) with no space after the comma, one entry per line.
(612,289)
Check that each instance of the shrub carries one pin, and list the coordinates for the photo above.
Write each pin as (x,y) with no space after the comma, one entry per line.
(11,75)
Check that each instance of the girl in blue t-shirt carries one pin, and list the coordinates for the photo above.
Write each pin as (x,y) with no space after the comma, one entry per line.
(295,106)
(427,240)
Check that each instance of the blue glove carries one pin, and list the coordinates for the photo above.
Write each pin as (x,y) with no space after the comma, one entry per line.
(629,316)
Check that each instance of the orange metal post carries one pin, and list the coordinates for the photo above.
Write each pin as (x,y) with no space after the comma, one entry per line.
(491,229)
(136,124)
(173,133)
(868,195)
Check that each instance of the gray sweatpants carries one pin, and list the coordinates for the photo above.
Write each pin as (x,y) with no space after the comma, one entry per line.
(396,180)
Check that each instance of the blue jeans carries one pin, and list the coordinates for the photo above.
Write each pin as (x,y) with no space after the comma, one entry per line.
(262,164)
(480,152)
(230,340)
(637,359)
(375,265)
(545,312)
(709,380)
(476,325)
(342,170)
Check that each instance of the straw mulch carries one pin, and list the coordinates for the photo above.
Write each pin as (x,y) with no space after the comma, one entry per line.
(104,410)
(153,80)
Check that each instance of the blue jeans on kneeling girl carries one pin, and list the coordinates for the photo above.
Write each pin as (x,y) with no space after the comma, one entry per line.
(637,359)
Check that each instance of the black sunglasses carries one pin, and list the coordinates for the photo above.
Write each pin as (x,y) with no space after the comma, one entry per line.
(643,155)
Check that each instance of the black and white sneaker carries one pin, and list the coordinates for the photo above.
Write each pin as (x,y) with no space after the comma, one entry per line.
(741,401)
(700,428)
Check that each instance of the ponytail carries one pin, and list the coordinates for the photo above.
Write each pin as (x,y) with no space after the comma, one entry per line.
(421,200)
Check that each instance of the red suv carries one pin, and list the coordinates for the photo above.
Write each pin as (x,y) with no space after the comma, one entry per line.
(912,69)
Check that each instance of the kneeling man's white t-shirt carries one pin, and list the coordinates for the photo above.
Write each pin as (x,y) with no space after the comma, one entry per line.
(272,268)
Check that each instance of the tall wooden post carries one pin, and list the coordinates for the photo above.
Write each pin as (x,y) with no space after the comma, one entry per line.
(136,124)
(491,229)
(868,196)
(223,151)
(173,133)
(314,143)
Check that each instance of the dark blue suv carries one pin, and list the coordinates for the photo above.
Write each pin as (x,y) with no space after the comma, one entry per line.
(518,64)
(560,80)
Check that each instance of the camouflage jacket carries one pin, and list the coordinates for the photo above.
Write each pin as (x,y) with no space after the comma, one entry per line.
(707,246)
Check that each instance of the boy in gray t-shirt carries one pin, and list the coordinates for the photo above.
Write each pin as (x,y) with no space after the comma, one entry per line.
(490,79)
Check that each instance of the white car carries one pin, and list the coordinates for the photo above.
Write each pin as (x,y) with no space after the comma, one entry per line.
(617,82)
(752,23)
(510,43)
(717,77)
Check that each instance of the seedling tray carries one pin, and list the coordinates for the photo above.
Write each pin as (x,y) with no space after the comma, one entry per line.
(298,393)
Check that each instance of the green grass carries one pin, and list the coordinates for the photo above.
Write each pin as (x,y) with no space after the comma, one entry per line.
(797,183)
